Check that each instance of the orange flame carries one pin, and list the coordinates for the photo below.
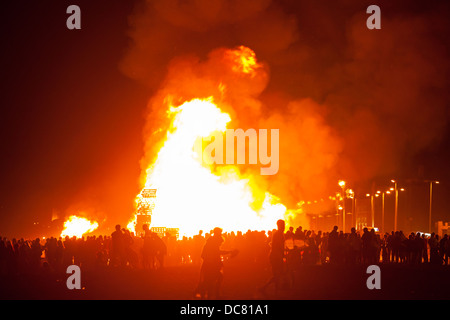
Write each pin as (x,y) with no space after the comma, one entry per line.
(190,197)
(244,60)
(77,226)
(193,194)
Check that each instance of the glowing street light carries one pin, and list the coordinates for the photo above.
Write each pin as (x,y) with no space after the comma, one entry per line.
(382,209)
(342,185)
(431,202)
(372,208)
(395,189)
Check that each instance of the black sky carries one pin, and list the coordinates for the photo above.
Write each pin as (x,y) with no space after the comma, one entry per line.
(71,122)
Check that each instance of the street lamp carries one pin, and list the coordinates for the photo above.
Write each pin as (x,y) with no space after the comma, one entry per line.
(395,189)
(382,207)
(351,195)
(431,201)
(372,208)
(342,185)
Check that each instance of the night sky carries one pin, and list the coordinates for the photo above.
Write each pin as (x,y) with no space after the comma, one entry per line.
(74,102)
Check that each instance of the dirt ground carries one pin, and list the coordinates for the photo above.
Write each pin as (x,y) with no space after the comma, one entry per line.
(321,282)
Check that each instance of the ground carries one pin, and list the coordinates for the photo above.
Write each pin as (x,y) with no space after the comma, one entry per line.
(321,282)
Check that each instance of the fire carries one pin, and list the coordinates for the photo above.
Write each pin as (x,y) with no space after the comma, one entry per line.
(193,194)
(244,60)
(77,226)
(190,196)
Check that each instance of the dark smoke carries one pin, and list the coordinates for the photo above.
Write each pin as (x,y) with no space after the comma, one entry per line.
(350,102)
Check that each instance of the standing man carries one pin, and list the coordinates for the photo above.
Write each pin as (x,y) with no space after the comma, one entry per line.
(117,247)
(276,257)
(211,273)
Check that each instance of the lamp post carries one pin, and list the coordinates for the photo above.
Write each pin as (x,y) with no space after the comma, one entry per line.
(342,185)
(396,204)
(351,195)
(431,202)
(372,208)
(396,190)
(382,207)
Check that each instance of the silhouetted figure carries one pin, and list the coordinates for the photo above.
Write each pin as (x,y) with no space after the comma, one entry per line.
(424,249)
(199,242)
(59,255)
(375,247)
(117,247)
(402,246)
(160,248)
(299,234)
(289,234)
(433,242)
(211,275)
(36,252)
(130,256)
(417,248)
(443,249)
(389,245)
(148,249)
(333,245)
(447,250)
(276,257)
(354,247)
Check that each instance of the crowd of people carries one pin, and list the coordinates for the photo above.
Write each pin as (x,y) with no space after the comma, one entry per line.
(149,251)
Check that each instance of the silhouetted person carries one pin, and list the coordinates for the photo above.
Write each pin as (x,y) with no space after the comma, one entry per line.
(424,248)
(354,246)
(374,247)
(211,275)
(199,242)
(160,248)
(289,234)
(389,245)
(447,250)
(148,249)
(366,238)
(333,245)
(117,247)
(36,252)
(433,242)
(443,249)
(276,257)
(417,248)
(130,257)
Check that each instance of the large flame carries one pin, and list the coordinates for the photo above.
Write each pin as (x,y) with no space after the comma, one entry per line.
(77,226)
(190,197)
(193,195)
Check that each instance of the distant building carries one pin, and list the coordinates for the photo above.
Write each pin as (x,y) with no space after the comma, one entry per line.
(442,228)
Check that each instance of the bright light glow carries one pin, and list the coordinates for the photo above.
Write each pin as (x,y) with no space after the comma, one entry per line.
(341,183)
(77,226)
(193,195)
(244,60)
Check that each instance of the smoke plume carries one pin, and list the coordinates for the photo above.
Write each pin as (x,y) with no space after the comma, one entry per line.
(349,102)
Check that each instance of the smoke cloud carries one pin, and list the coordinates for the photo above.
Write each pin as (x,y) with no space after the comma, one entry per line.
(349,102)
